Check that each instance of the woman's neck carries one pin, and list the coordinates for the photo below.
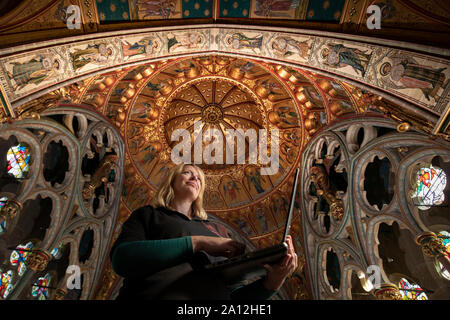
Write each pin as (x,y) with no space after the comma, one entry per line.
(182,206)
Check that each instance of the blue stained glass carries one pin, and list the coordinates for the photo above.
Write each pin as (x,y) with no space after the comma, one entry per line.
(19,256)
(40,287)
(56,252)
(411,291)
(2,220)
(2,225)
(18,158)
(430,184)
(6,283)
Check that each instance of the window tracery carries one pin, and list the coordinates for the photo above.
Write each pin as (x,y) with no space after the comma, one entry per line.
(396,159)
(50,214)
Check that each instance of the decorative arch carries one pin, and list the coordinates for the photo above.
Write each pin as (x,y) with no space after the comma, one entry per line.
(369,71)
(71,214)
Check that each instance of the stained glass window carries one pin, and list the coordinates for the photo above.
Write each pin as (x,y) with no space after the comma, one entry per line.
(2,220)
(6,283)
(57,252)
(40,287)
(18,158)
(445,236)
(19,256)
(411,291)
(430,185)
(3,201)
(2,225)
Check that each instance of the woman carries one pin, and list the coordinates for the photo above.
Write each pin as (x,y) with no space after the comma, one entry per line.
(159,245)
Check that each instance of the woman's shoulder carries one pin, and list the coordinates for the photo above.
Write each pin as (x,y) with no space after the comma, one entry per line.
(141,212)
(149,210)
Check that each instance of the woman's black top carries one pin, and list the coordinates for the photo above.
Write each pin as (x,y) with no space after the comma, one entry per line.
(154,255)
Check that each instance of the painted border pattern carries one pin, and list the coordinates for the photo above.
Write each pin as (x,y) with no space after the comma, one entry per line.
(418,78)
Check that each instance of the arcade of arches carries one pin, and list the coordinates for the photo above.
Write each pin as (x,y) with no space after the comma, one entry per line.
(88,116)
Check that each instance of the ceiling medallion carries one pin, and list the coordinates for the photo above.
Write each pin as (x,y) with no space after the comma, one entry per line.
(213,103)
(212,113)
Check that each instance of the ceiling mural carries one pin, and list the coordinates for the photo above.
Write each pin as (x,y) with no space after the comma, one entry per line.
(137,10)
(181,71)
(148,102)
(402,20)
(414,78)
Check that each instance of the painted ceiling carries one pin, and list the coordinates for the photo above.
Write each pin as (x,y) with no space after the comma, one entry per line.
(148,102)
(150,83)
(427,22)
(137,10)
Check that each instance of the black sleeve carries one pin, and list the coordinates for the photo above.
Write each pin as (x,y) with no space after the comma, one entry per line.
(134,229)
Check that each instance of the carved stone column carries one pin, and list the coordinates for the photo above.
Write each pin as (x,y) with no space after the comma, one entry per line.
(387,291)
(432,246)
(99,176)
(322,183)
(10,209)
(38,260)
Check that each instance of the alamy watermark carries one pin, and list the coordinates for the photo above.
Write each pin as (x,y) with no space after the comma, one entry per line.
(374,21)
(374,275)
(74,280)
(73,14)
(213,153)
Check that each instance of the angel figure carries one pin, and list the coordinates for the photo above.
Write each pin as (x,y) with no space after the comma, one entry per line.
(187,40)
(406,72)
(339,56)
(287,46)
(33,71)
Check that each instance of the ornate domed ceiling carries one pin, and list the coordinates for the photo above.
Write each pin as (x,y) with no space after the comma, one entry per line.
(148,103)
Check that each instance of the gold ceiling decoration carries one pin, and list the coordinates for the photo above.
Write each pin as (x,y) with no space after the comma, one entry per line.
(220,93)
(148,102)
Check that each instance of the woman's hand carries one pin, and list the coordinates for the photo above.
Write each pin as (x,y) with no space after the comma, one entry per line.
(277,273)
(215,246)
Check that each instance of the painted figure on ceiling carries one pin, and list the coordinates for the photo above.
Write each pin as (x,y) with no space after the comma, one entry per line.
(144,46)
(140,113)
(254,177)
(138,197)
(271,87)
(242,225)
(406,72)
(287,46)
(148,154)
(96,53)
(241,41)
(287,116)
(339,56)
(262,219)
(186,41)
(215,201)
(33,71)
(161,8)
(280,208)
(273,8)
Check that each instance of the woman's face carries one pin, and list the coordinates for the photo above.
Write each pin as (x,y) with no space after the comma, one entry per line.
(187,184)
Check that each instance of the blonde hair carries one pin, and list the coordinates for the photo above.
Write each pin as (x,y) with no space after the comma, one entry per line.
(165,193)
